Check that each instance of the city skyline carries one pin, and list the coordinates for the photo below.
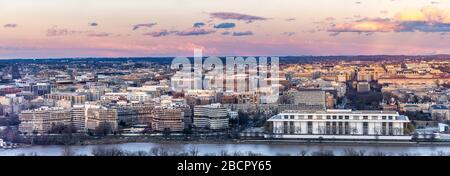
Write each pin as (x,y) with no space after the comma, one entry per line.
(99,28)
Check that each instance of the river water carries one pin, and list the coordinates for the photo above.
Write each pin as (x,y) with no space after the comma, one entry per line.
(264,149)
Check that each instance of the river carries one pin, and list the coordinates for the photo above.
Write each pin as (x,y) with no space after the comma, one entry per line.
(264,148)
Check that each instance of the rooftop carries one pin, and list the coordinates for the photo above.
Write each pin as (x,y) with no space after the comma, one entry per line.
(441,107)
(339,111)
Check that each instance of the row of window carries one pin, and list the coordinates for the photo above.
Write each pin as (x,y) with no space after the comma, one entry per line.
(338,128)
(339,117)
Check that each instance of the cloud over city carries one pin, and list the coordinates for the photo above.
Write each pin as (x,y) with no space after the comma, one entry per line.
(195,31)
(143,25)
(160,33)
(244,33)
(10,25)
(237,16)
(426,19)
(225,25)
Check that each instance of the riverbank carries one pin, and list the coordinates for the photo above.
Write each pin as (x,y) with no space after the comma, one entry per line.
(241,148)
(82,140)
(140,139)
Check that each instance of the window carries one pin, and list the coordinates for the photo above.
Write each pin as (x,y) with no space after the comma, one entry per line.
(374,117)
(365,128)
(285,127)
(333,128)
(347,128)
(286,117)
(291,128)
(390,117)
(292,116)
(328,117)
(319,117)
(383,117)
(355,117)
(328,128)
(334,117)
(365,117)
(391,129)
(341,117)
(310,128)
(310,117)
(347,117)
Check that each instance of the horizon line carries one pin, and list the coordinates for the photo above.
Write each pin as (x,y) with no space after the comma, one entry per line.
(155,57)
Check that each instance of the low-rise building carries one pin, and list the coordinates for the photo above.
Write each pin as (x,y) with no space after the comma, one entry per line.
(168,118)
(363,87)
(74,98)
(101,116)
(213,117)
(440,112)
(338,124)
(42,120)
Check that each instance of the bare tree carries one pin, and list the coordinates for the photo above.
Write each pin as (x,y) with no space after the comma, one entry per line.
(353,152)
(193,151)
(154,151)
(103,151)
(223,153)
(378,153)
(323,152)
(303,153)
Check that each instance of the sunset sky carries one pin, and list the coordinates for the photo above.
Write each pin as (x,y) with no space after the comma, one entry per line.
(116,28)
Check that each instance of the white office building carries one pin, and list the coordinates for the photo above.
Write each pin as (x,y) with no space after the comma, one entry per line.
(2,143)
(213,117)
(338,124)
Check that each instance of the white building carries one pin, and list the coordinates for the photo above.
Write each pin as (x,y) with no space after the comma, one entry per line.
(79,117)
(232,114)
(338,124)
(2,143)
(212,116)
(440,112)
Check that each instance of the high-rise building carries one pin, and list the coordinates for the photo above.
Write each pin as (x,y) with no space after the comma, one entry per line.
(79,120)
